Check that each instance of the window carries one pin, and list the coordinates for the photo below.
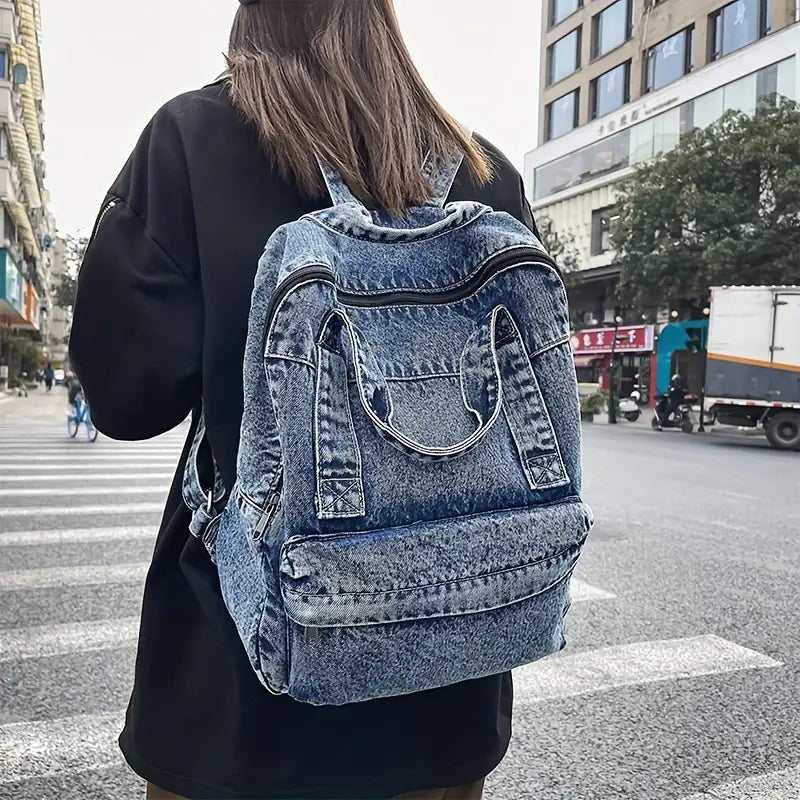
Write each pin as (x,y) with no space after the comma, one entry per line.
(612,27)
(736,25)
(604,221)
(3,144)
(561,9)
(562,115)
(669,60)
(564,57)
(662,132)
(611,90)
(3,64)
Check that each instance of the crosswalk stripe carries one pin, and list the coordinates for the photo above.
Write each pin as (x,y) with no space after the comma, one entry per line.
(92,575)
(99,477)
(781,785)
(76,536)
(81,469)
(74,491)
(581,592)
(87,458)
(111,508)
(591,671)
(55,640)
(54,747)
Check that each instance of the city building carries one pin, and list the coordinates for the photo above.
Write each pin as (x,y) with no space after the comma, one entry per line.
(26,227)
(621,82)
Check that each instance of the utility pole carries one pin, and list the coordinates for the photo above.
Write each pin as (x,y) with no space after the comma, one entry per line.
(612,405)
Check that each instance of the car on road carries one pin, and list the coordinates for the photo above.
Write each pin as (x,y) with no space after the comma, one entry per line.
(59,376)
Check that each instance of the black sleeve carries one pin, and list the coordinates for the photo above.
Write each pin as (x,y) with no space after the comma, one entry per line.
(136,341)
(506,192)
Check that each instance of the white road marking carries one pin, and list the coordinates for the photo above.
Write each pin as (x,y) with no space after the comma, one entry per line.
(55,640)
(590,671)
(781,785)
(76,536)
(98,477)
(49,577)
(83,459)
(61,510)
(581,592)
(78,469)
(58,746)
(72,491)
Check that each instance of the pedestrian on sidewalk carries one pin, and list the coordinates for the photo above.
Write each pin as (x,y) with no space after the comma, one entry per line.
(168,280)
(49,376)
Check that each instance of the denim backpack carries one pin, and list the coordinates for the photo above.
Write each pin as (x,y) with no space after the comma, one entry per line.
(407,511)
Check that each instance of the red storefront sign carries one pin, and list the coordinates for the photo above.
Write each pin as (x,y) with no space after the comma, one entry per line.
(629,339)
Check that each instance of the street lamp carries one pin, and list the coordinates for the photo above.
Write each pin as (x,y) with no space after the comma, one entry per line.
(674,314)
(612,410)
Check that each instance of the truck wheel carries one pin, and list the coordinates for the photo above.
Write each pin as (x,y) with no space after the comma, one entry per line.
(783,430)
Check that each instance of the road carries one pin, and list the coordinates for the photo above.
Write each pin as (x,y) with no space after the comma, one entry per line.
(682,676)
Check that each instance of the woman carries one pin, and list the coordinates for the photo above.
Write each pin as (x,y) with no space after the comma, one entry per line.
(167,279)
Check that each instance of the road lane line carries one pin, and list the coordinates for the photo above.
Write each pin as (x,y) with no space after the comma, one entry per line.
(77,536)
(581,592)
(591,671)
(781,785)
(84,490)
(45,641)
(59,746)
(111,508)
(97,477)
(49,577)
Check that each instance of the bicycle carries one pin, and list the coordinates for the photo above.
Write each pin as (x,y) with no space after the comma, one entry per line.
(80,414)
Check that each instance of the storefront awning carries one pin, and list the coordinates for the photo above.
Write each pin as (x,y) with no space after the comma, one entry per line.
(586,361)
(30,38)
(20,215)
(22,155)
(30,112)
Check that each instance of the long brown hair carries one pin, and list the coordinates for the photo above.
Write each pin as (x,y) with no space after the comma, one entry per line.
(333,79)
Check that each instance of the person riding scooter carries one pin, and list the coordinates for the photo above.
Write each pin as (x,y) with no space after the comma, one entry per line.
(670,402)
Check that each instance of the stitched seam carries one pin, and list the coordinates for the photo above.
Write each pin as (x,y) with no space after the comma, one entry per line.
(293,359)
(399,241)
(470,578)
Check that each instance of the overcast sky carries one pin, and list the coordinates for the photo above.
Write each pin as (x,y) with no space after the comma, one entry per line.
(109,64)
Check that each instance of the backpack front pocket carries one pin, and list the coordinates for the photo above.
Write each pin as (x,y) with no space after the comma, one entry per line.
(382,613)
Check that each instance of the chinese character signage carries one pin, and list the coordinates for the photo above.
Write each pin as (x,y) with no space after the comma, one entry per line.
(629,339)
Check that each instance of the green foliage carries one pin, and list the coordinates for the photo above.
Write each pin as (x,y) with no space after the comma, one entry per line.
(66,287)
(561,246)
(592,404)
(720,209)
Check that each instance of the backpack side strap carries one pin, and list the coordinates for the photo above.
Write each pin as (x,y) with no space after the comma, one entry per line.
(206,505)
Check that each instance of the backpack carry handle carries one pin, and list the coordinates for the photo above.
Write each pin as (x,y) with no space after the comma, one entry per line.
(480,378)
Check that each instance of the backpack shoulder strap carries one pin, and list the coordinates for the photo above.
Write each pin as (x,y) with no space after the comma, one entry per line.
(440,174)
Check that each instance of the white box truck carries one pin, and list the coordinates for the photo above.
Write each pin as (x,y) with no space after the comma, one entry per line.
(753,360)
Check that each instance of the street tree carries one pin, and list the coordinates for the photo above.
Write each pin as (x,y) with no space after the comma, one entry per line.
(67,287)
(561,246)
(722,208)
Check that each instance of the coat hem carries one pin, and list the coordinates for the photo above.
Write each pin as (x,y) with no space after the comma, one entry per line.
(194,789)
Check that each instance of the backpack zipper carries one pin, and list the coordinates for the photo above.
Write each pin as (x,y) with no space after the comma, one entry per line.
(269,513)
(321,272)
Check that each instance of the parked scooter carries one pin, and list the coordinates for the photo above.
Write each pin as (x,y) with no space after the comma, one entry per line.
(629,406)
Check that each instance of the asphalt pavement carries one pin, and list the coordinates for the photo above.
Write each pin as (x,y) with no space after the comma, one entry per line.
(681,680)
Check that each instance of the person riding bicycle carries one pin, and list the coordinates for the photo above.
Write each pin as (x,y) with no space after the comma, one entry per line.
(74,388)
(670,402)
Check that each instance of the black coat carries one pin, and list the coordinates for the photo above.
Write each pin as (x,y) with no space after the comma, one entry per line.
(163,296)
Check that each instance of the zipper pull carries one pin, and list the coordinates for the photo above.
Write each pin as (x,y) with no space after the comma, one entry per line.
(266,517)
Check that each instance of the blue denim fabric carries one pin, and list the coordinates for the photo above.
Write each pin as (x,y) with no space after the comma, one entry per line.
(407,513)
